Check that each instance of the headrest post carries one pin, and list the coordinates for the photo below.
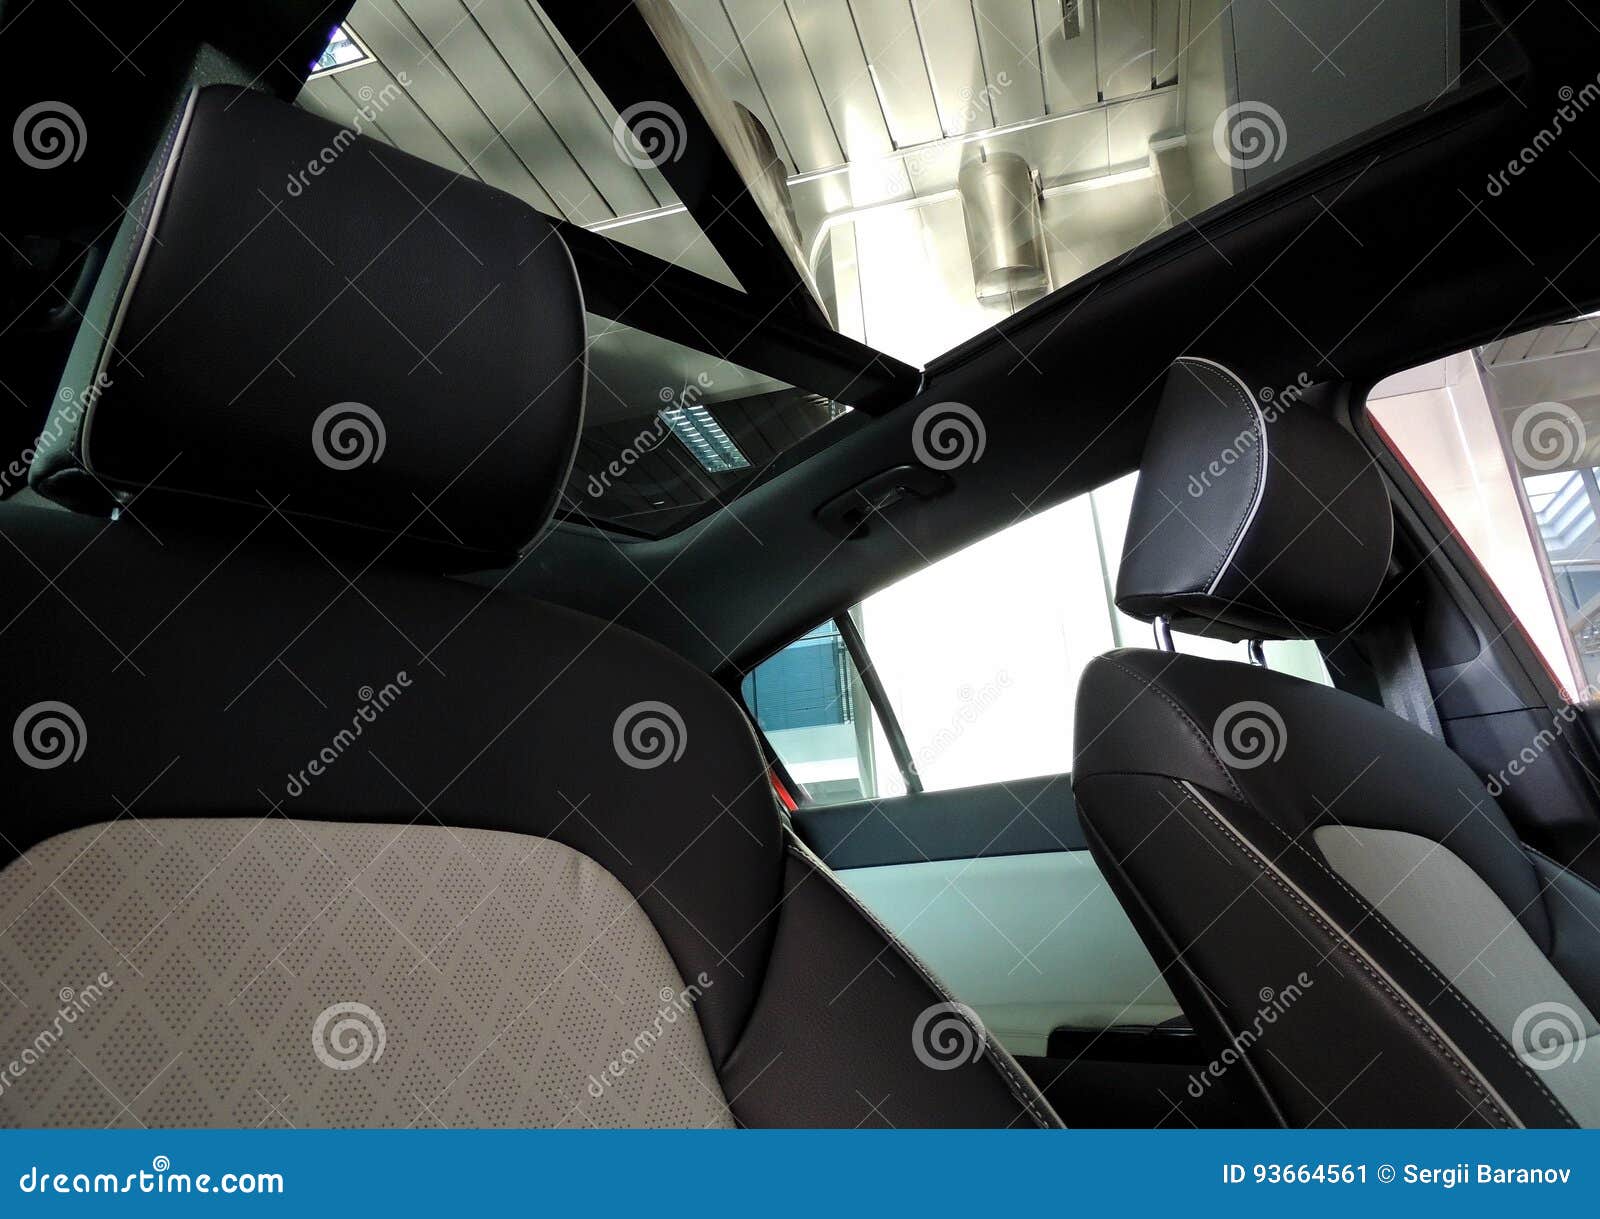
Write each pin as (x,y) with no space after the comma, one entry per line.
(1258,652)
(1163,634)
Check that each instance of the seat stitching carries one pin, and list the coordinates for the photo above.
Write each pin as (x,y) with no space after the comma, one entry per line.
(1260,464)
(1154,686)
(1025,1094)
(1382,922)
(1342,939)
(1562,868)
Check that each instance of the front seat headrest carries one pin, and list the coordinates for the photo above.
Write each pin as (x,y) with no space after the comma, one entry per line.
(1255,515)
(301,316)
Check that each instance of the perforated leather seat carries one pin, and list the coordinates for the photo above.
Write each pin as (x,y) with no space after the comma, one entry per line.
(302,830)
(1335,897)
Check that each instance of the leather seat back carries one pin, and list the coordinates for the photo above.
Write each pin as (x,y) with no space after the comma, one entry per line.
(1335,897)
(308,832)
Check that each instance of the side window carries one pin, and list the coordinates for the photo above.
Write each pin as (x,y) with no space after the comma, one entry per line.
(1503,440)
(812,705)
(976,659)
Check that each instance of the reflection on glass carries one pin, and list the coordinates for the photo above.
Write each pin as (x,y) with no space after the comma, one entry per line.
(669,431)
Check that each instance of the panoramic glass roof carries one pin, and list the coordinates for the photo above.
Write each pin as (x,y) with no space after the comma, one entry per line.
(904,172)
(494,92)
(935,164)
(669,431)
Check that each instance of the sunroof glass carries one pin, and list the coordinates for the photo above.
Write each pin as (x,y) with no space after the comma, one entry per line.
(493,91)
(669,431)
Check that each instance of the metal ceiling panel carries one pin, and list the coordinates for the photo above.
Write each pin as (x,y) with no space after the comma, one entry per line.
(342,102)
(1070,78)
(778,60)
(486,78)
(712,32)
(949,33)
(894,54)
(394,39)
(1169,40)
(1009,37)
(1066,148)
(1125,47)
(838,64)
(578,113)
(1130,124)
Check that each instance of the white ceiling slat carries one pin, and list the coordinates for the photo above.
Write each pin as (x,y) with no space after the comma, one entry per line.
(1069,71)
(580,120)
(1126,47)
(1131,124)
(1547,341)
(1010,40)
(955,64)
(1169,40)
(655,182)
(346,97)
(774,51)
(391,36)
(834,56)
(713,36)
(493,88)
(894,53)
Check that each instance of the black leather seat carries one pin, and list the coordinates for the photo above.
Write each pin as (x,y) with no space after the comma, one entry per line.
(303,830)
(1332,893)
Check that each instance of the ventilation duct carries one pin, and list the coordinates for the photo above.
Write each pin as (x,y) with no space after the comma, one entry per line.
(1005,233)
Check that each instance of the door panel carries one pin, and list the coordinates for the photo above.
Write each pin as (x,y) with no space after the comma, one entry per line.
(1023,817)
(994,888)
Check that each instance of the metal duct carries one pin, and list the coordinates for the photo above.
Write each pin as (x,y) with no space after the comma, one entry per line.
(1005,234)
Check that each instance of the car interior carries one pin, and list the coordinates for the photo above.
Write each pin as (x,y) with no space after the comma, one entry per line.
(800,563)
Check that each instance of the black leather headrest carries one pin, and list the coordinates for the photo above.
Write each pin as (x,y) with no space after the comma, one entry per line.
(306,317)
(1255,515)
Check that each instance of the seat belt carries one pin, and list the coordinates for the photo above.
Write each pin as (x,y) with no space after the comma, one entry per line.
(1392,648)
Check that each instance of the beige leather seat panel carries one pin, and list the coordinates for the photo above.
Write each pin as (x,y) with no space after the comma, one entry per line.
(229,972)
